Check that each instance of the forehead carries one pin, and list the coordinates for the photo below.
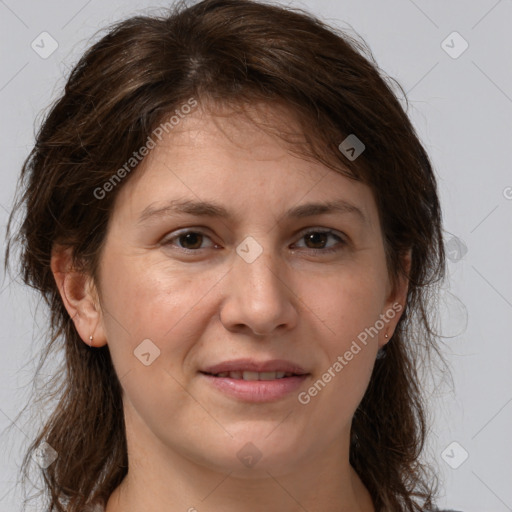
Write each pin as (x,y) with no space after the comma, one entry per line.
(254,133)
(228,156)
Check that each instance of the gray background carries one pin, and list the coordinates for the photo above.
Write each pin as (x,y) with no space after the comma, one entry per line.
(462,110)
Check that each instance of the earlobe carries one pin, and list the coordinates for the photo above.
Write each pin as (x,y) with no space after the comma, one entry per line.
(396,301)
(79,297)
(402,286)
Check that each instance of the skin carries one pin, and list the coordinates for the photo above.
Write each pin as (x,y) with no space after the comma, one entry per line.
(201,308)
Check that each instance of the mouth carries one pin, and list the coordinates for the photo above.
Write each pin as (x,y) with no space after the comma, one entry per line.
(251,381)
(251,369)
(249,386)
(250,375)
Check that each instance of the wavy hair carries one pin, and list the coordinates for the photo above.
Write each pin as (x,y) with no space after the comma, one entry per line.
(231,53)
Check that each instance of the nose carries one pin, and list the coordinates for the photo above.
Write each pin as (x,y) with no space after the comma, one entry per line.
(259,296)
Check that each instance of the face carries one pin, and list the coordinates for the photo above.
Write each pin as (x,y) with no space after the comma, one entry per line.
(271,280)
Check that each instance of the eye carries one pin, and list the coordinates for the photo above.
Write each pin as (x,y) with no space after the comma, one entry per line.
(318,239)
(189,241)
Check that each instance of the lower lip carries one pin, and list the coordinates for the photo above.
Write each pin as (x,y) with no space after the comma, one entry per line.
(256,390)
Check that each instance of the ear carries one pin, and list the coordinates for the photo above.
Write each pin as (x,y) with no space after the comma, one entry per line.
(395,302)
(79,296)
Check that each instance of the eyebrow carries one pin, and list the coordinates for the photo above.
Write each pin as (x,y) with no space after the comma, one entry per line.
(214,210)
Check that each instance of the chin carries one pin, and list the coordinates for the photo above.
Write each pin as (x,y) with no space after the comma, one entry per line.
(261,451)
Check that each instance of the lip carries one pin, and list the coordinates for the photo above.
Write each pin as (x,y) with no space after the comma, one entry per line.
(250,365)
(256,391)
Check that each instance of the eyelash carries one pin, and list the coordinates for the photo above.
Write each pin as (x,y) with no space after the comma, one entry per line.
(342,241)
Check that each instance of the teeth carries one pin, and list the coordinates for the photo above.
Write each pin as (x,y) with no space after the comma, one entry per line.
(254,375)
(251,376)
(267,376)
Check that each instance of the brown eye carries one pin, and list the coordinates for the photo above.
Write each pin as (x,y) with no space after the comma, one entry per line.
(187,241)
(191,240)
(317,240)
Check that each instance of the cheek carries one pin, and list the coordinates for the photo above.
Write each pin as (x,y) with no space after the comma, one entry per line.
(133,302)
(137,293)
(157,301)
(346,303)
(150,323)
(348,306)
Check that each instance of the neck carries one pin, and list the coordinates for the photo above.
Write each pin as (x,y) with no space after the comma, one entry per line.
(162,480)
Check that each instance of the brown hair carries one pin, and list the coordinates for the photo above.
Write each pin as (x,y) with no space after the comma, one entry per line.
(233,53)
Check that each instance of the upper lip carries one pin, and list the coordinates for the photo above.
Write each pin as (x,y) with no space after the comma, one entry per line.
(250,365)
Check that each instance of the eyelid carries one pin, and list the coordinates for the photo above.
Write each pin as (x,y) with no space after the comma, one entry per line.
(180,232)
(318,229)
(328,231)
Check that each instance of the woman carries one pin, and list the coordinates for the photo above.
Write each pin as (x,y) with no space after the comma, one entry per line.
(272,364)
